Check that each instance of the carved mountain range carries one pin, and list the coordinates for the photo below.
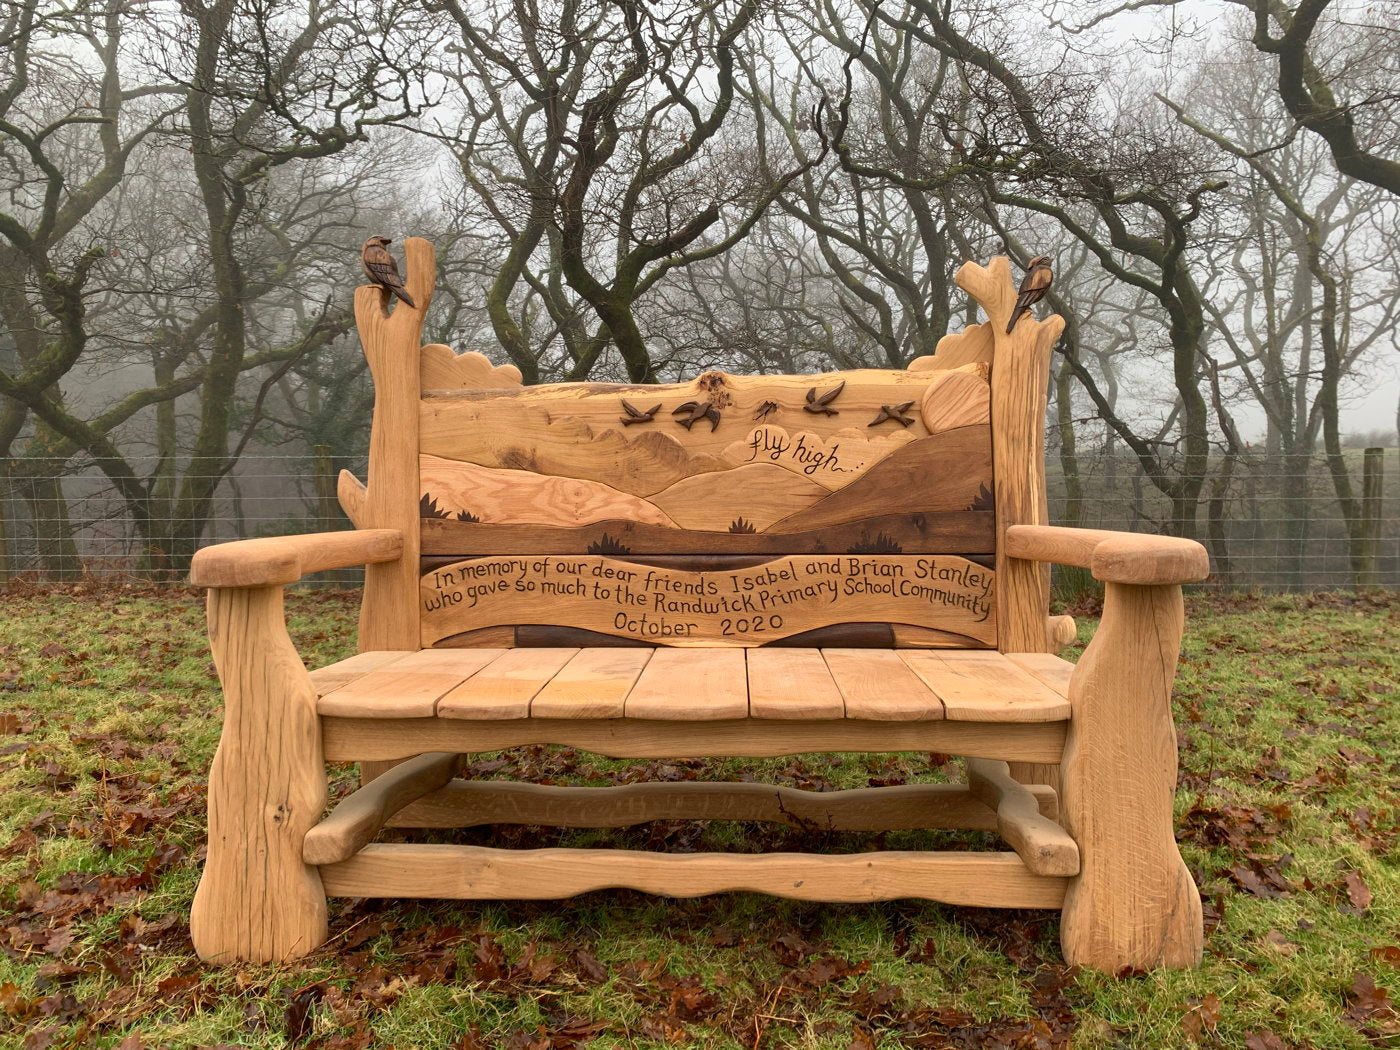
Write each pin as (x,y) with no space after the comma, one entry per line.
(757,493)
(521,497)
(513,436)
(941,472)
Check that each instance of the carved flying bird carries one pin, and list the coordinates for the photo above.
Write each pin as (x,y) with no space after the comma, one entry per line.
(1033,288)
(381,269)
(822,405)
(698,410)
(766,409)
(894,412)
(636,415)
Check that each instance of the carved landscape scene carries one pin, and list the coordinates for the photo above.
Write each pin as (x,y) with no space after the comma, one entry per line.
(862,462)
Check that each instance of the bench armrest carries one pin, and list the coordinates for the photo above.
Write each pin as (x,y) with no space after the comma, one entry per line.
(1114,557)
(285,559)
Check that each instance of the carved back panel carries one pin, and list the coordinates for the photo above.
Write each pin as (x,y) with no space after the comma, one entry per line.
(847,508)
(726,510)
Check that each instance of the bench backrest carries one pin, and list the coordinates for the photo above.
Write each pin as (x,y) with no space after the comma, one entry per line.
(847,508)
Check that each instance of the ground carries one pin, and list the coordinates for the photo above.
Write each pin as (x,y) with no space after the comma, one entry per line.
(1287,806)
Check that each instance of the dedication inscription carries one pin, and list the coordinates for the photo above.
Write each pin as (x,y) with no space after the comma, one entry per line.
(746,607)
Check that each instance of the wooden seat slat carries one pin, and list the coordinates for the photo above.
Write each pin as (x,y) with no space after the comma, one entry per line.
(876,684)
(1046,668)
(594,684)
(691,684)
(408,687)
(341,673)
(505,686)
(792,683)
(980,686)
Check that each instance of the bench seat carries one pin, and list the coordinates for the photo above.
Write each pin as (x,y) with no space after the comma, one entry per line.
(698,684)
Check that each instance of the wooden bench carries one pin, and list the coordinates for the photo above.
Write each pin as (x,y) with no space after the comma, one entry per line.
(736,565)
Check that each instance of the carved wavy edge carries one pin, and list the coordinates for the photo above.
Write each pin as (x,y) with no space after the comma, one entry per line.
(443,369)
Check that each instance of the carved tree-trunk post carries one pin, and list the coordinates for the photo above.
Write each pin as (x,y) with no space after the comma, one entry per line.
(1133,904)
(257,900)
(1020,384)
(392,343)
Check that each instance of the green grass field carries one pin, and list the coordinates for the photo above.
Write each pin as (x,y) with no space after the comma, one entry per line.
(1287,805)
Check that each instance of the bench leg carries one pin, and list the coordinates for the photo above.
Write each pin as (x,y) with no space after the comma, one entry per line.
(1134,904)
(257,901)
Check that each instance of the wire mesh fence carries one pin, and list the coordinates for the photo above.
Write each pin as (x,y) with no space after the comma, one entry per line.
(1267,528)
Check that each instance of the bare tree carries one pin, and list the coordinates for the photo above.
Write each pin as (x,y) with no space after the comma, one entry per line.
(599,137)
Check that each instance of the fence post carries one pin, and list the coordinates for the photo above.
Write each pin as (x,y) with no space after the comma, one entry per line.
(4,522)
(1372,478)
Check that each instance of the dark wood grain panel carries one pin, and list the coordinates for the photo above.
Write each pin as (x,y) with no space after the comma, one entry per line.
(948,532)
(947,472)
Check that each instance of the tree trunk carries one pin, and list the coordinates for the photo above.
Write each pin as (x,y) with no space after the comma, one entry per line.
(1215,522)
(1295,526)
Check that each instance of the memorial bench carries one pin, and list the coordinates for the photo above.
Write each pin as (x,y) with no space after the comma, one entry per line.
(737,565)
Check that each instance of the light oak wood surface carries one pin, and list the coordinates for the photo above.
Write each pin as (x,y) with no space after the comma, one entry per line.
(1134,904)
(1020,365)
(691,685)
(440,368)
(685,684)
(984,686)
(391,342)
(792,683)
(504,687)
(965,532)
(408,687)
(1050,670)
(972,346)
(995,880)
(1045,847)
(277,560)
(331,677)
(257,900)
(356,820)
(462,804)
(522,497)
(959,398)
(381,739)
(1115,557)
(877,684)
(594,684)
(758,494)
(350,491)
(575,429)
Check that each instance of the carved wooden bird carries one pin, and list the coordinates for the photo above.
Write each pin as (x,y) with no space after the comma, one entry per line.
(381,268)
(822,405)
(636,415)
(765,409)
(1033,288)
(698,410)
(894,412)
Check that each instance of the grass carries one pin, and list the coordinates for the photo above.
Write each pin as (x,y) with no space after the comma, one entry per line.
(109,714)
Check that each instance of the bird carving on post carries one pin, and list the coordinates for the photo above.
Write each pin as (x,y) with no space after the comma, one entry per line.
(381,269)
(1033,288)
